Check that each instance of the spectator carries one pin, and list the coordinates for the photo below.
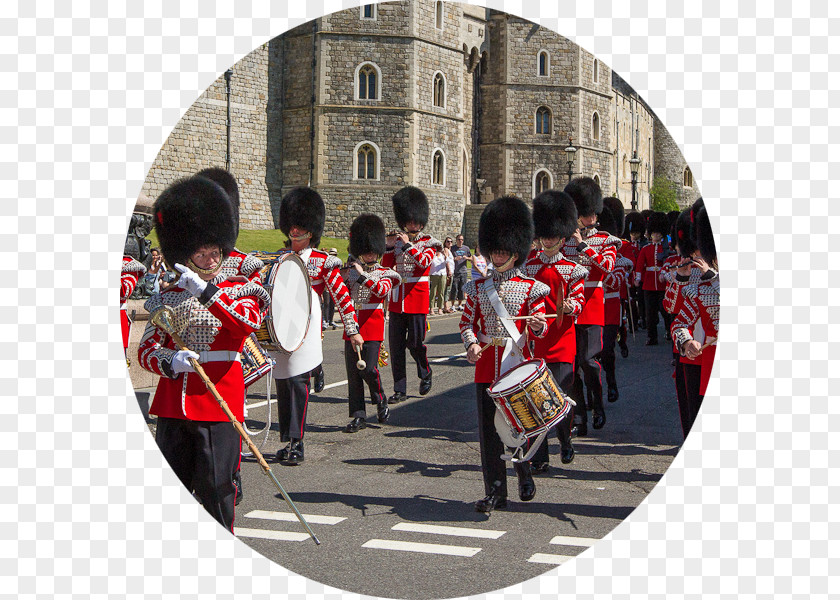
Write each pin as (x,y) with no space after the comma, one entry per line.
(461,255)
(450,272)
(479,266)
(437,282)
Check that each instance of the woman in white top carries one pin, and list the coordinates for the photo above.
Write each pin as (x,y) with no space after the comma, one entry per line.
(437,282)
(450,271)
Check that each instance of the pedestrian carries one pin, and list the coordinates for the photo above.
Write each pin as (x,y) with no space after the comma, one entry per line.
(461,254)
(437,282)
(450,273)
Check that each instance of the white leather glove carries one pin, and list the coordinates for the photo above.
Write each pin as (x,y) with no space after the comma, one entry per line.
(181,361)
(190,280)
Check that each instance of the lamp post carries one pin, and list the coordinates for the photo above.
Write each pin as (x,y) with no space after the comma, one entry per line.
(228,75)
(634,171)
(570,158)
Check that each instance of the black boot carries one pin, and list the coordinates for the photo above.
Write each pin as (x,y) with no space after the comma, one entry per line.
(318,385)
(426,384)
(382,412)
(495,499)
(237,481)
(567,451)
(283,454)
(397,397)
(355,425)
(527,487)
(295,452)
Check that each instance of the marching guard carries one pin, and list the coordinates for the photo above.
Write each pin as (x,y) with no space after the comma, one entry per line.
(132,271)
(648,265)
(494,342)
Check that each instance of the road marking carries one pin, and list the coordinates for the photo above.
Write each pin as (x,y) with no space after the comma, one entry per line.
(418,547)
(284,516)
(549,559)
(445,358)
(442,530)
(573,541)
(265,534)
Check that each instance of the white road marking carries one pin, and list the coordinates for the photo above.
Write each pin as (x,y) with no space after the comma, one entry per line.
(442,530)
(549,559)
(445,358)
(287,516)
(425,548)
(265,534)
(572,541)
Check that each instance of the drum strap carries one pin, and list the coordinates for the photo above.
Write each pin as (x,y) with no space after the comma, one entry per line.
(517,338)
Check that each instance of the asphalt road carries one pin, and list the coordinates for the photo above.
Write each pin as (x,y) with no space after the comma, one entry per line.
(393,504)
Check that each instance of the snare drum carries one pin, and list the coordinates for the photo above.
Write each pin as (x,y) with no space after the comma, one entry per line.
(255,361)
(287,281)
(529,402)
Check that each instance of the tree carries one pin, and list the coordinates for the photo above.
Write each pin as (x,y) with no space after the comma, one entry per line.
(663,196)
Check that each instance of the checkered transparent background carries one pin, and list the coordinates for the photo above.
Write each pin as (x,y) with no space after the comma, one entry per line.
(88,96)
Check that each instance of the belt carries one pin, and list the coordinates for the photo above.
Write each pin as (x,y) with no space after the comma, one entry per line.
(415,279)
(315,281)
(369,306)
(593,284)
(609,295)
(492,341)
(653,268)
(219,356)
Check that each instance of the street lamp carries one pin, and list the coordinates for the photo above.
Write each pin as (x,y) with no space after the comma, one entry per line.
(570,158)
(634,171)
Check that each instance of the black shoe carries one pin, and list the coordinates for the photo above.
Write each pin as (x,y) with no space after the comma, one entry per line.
(494,500)
(527,487)
(539,468)
(397,397)
(598,418)
(625,352)
(567,452)
(295,452)
(382,413)
(237,482)
(355,425)
(318,387)
(612,394)
(653,342)
(283,454)
(425,385)
(580,429)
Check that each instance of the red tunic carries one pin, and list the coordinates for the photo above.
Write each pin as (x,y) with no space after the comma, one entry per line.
(562,277)
(227,313)
(325,272)
(674,299)
(412,262)
(615,288)
(701,302)
(520,295)
(369,291)
(132,271)
(648,265)
(597,253)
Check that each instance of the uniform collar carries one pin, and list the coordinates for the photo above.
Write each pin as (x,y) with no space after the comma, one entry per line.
(509,274)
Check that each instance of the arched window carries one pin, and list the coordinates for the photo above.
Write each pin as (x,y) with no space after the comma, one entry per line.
(368,11)
(542,182)
(688,180)
(439,90)
(438,167)
(438,15)
(594,70)
(597,179)
(367,161)
(543,63)
(596,127)
(543,120)
(368,78)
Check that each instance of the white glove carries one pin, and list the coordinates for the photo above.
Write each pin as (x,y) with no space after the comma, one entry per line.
(190,280)
(181,361)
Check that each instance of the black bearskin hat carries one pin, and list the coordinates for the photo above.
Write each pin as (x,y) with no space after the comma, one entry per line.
(682,234)
(410,204)
(228,182)
(616,209)
(672,217)
(606,222)
(658,222)
(506,225)
(701,232)
(587,196)
(304,208)
(367,234)
(192,213)
(634,223)
(555,215)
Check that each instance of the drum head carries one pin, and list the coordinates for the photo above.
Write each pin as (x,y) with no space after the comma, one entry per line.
(514,377)
(291,302)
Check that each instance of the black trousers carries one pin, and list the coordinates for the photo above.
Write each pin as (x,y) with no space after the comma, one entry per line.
(459,280)
(493,468)
(608,354)
(587,370)
(292,401)
(204,456)
(638,295)
(407,331)
(653,308)
(688,393)
(564,375)
(356,379)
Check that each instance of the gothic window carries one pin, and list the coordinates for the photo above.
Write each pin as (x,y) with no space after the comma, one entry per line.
(597,179)
(369,11)
(595,70)
(543,120)
(367,161)
(438,15)
(438,167)
(542,182)
(543,63)
(439,90)
(596,127)
(688,180)
(368,82)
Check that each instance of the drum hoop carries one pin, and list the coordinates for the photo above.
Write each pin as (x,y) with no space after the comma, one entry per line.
(518,384)
(272,274)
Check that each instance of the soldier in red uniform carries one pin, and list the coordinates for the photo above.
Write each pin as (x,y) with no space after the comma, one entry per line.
(595,250)
(215,310)
(369,284)
(648,265)
(505,233)
(409,252)
(628,251)
(555,220)
(634,228)
(132,271)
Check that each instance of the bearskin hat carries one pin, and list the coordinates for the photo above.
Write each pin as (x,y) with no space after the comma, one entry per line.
(555,215)
(616,209)
(506,225)
(192,213)
(606,222)
(658,222)
(634,223)
(587,196)
(303,207)
(701,232)
(410,204)
(228,182)
(682,234)
(367,234)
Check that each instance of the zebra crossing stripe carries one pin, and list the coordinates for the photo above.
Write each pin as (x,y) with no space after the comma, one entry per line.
(287,516)
(266,534)
(442,530)
(424,548)
(573,541)
(549,559)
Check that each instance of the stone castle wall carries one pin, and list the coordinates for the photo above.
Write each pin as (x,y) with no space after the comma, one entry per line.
(670,163)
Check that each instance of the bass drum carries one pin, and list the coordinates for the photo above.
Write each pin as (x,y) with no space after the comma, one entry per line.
(287,281)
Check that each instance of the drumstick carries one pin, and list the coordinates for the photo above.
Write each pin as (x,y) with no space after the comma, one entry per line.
(484,347)
(708,343)
(360,364)
(554,316)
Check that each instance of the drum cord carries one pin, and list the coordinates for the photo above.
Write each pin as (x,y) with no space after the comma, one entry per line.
(267,429)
